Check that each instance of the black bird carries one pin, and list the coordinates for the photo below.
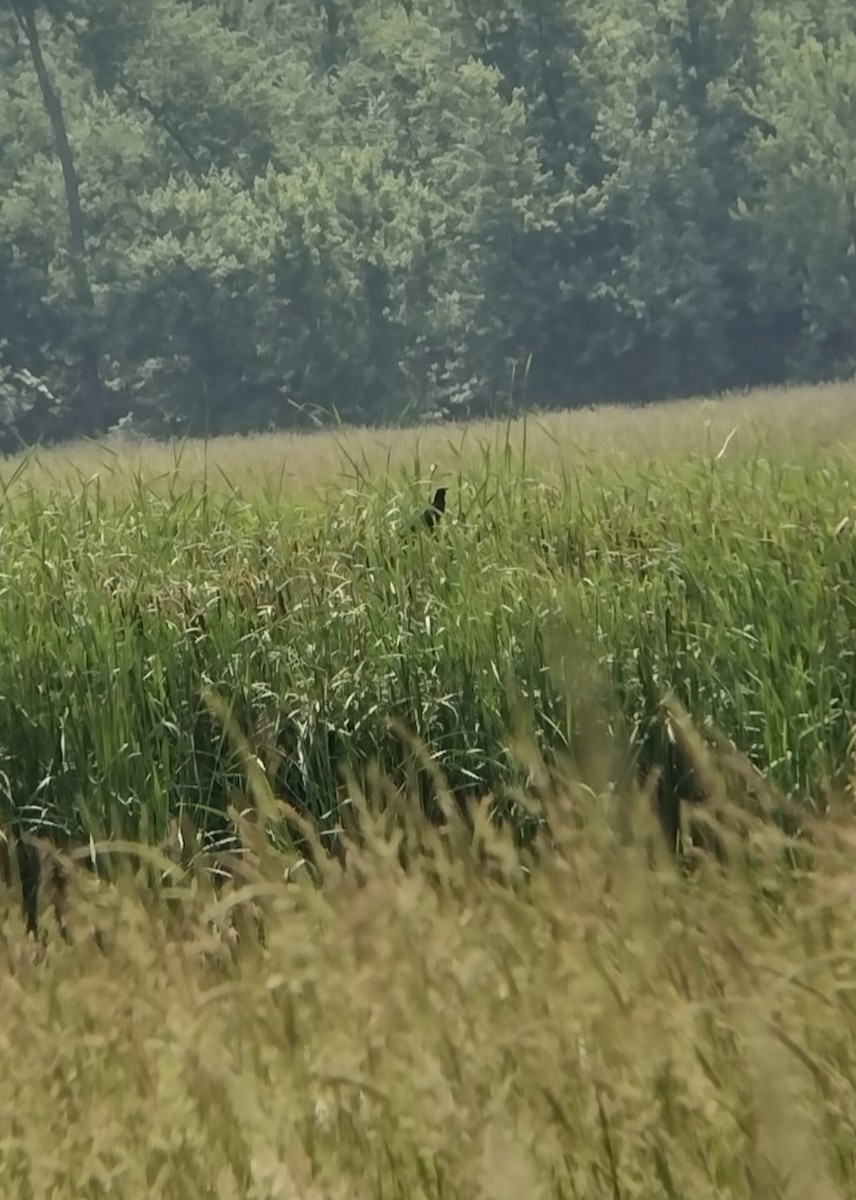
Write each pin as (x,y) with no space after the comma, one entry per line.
(436,508)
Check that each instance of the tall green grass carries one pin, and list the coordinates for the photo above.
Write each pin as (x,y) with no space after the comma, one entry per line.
(730,584)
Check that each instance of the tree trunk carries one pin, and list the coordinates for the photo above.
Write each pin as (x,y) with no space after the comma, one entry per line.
(24,11)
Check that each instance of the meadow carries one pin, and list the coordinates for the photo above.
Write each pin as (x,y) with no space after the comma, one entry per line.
(358,886)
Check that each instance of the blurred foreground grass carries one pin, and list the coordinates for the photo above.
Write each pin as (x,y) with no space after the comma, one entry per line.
(583,1020)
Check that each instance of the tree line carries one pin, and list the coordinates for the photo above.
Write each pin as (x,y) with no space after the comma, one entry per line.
(231,215)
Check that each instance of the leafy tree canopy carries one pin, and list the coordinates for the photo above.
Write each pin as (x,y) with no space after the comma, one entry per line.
(235,214)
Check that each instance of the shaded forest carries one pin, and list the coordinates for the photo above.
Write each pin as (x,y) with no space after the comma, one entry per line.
(232,215)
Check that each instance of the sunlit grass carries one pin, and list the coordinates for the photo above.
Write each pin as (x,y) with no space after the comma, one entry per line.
(771,422)
(587,1022)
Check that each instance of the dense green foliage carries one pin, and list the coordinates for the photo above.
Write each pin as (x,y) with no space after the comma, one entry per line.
(730,584)
(229,214)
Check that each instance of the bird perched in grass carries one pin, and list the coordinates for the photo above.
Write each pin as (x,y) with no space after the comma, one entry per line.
(429,517)
(436,508)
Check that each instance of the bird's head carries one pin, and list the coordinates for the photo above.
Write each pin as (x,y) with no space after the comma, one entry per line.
(439,501)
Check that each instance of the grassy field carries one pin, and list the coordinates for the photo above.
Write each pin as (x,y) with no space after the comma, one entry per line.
(597,584)
(776,423)
(194,635)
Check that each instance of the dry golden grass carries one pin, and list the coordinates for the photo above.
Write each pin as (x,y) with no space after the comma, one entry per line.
(776,421)
(602,1027)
